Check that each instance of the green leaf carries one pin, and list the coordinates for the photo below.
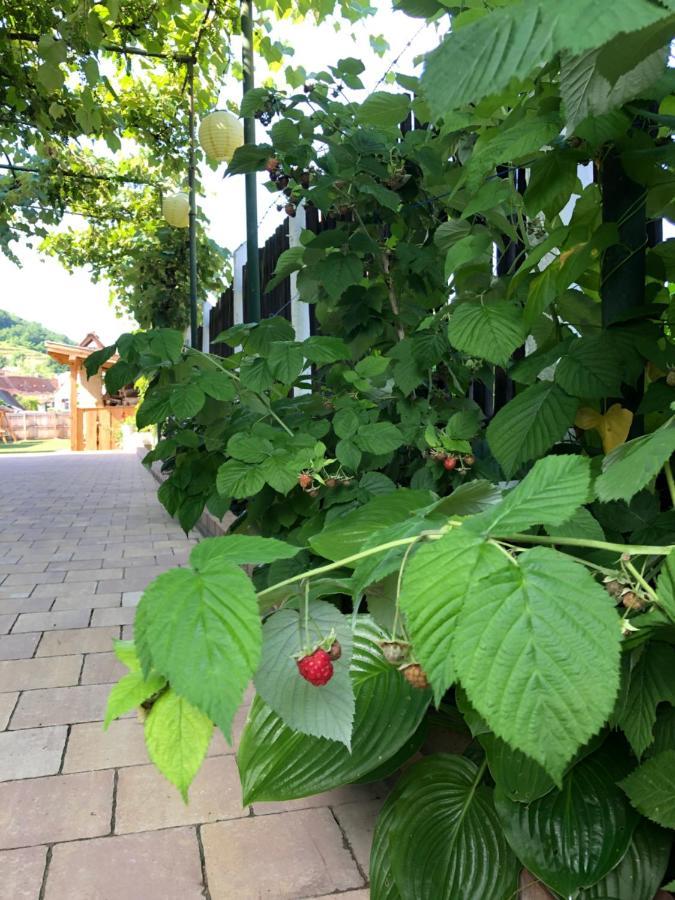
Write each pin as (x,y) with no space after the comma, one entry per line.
(474,249)
(651,788)
(321,350)
(648,681)
(346,534)
(286,361)
(509,144)
(249,158)
(129,692)
(345,423)
(177,736)
(155,407)
(550,494)
(263,334)
(518,777)
(631,466)
(553,178)
(255,375)
(95,360)
(167,344)
(571,837)
(665,586)
(512,651)
(445,840)
(125,651)
(340,271)
(348,454)
(437,581)
(249,448)
(482,58)
(640,872)
(277,763)
(385,197)
(530,424)
(186,400)
(119,375)
(590,368)
(383,110)
(491,329)
(469,499)
(581,525)
(239,479)
(378,438)
(375,568)
(290,261)
(217,385)
(326,711)
(241,549)
(201,630)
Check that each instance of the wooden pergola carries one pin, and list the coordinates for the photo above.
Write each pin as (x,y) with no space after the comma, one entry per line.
(83,415)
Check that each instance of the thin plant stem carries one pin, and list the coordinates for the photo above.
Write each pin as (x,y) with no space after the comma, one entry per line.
(397,608)
(670,481)
(640,580)
(632,549)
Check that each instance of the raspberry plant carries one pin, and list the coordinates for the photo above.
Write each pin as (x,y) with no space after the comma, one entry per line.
(532,585)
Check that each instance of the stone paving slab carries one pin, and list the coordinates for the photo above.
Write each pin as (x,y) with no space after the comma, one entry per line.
(83,535)
(22,872)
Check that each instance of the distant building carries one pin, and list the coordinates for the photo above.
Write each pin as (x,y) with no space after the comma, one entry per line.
(41,389)
(9,401)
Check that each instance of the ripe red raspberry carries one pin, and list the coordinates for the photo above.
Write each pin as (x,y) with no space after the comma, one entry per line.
(449,463)
(316,668)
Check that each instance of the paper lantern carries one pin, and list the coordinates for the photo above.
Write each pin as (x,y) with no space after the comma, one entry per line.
(220,133)
(176,209)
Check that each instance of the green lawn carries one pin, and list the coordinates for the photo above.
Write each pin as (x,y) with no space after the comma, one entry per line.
(47,446)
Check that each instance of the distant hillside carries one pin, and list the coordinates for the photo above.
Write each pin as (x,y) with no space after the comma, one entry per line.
(22,345)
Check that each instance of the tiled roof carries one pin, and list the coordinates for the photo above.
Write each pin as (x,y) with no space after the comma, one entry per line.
(27,384)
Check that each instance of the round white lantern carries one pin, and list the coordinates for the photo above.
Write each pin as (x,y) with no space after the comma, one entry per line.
(220,133)
(176,209)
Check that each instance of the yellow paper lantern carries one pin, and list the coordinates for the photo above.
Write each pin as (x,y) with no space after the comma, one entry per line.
(220,133)
(176,209)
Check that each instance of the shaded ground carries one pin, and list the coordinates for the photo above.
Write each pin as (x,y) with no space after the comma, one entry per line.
(46,446)
(82,814)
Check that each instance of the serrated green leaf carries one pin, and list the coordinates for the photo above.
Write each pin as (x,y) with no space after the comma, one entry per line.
(289,261)
(511,42)
(572,837)
(553,178)
(345,423)
(326,711)
(665,586)
(241,549)
(177,736)
(155,407)
(631,466)
(340,271)
(255,375)
(125,651)
(589,368)
(217,385)
(186,400)
(468,499)
(96,359)
(201,630)
(248,448)
(491,329)
(530,424)
(378,438)
(551,492)
(167,344)
(320,350)
(648,681)
(129,692)
(537,648)
(436,583)
(581,525)
(239,479)
(382,109)
(346,534)
(474,249)
(348,454)
(277,763)
(445,840)
(651,788)
(285,361)
(119,375)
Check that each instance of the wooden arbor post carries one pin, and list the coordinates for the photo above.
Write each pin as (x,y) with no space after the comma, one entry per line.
(76,442)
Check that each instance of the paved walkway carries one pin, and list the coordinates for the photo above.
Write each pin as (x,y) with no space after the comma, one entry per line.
(82,814)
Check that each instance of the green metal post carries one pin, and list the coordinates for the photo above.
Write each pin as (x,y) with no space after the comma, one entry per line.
(252,298)
(193,211)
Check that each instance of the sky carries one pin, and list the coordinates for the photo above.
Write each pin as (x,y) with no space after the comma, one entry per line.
(43,291)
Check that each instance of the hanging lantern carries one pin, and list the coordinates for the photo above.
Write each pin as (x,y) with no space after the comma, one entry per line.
(220,133)
(176,209)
